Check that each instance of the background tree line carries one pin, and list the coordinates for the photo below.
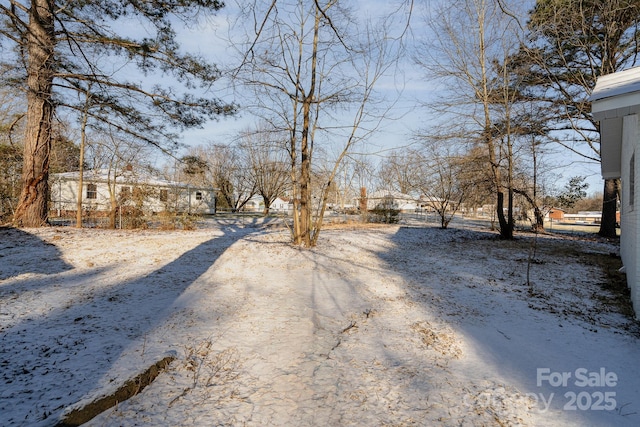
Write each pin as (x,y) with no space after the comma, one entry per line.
(518,85)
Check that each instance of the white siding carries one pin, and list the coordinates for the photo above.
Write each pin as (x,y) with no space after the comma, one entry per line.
(64,195)
(610,147)
(180,198)
(629,236)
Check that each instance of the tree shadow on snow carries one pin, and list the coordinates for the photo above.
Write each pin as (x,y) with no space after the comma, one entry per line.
(476,284)
(53,361)
(22,252)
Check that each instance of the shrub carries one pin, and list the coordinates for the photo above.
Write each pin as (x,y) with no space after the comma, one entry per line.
(384,215)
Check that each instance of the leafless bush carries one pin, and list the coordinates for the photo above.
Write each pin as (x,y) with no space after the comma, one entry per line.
(206,369)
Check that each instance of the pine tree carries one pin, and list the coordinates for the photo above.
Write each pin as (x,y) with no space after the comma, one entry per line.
(64,51)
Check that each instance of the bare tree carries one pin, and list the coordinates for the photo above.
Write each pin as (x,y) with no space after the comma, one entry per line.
(397,170)
(354,174)
(12,112)
(267,161)
(229,172)
(313,68)
(364,171)
(83,142)
(445,177)
(469,38)
(114,156)
(480,193)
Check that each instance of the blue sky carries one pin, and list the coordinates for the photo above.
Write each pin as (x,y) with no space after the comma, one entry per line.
(208,38)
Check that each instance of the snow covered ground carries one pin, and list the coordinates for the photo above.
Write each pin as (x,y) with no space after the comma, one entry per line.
(387,325)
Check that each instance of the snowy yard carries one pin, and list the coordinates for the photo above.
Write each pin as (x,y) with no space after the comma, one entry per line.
(376,326)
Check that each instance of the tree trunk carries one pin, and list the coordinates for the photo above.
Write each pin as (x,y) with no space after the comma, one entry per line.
(510,220)
(295,192)
(320,219)
(80,185)
(506,229)
(539,224)
(305,190)
(113,202)
(306,207)
(32,209)
(609,208)
(113,214)
(83,135)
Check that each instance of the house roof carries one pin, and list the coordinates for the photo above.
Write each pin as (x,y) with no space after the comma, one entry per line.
(126,177)
(381,194)
(615,96)
(616,84)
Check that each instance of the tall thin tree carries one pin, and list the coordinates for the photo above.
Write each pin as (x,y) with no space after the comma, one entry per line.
(469,38)
(314,73)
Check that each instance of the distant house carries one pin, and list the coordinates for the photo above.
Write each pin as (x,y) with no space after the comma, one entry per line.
(384,199)
(583,217)
(431,204)
(556,214)
(280,205)
(616,105)
(130,189)
(256,204)
(586,217)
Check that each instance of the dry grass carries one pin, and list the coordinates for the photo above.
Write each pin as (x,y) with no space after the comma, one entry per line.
(618,295)
(442,340)
(612,293)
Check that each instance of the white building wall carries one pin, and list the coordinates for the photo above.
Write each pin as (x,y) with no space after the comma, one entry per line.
(193,200)
(629,231)
(64,195)
(279,205)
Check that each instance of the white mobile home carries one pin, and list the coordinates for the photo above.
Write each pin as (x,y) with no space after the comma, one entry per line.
(616,105)
(143,191)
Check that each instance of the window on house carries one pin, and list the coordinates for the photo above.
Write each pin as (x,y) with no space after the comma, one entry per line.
(164,195)
(92,191)
(198,195)
(632,180)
